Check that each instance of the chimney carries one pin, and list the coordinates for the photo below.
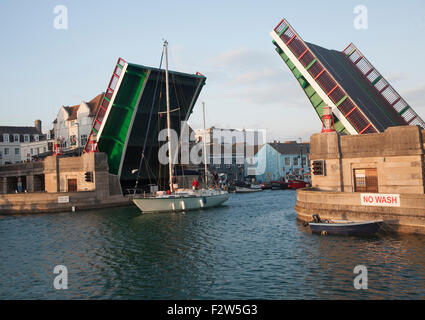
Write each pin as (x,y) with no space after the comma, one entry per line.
(37,124)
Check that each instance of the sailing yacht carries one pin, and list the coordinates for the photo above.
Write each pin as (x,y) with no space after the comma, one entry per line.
(180,200)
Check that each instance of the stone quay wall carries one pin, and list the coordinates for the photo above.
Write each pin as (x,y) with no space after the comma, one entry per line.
(397,157)
(408,218)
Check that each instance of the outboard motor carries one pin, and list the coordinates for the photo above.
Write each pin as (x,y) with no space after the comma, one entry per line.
(316,218)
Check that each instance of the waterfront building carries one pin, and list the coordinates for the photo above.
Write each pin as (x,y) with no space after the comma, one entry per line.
(73,123)
(224,136)
(368,177)
(276,160)
(230,159)
(228,149)
(18,144)
(362,100)
(59,183)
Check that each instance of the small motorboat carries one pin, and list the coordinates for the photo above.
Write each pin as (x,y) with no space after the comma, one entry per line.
(246,190)
(244,187)
(296,184)
(344,227)
(266,186)
(279,185)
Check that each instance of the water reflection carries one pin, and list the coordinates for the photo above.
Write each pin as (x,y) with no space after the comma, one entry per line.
(251,248)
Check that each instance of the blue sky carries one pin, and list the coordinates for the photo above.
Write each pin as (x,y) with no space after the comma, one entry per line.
(248,86)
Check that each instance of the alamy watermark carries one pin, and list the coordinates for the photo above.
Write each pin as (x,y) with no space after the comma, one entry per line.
(224,146)
(360,281)
(361,19)
(60,22)
(61,280)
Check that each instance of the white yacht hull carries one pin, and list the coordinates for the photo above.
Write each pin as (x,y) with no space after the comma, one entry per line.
(180,203)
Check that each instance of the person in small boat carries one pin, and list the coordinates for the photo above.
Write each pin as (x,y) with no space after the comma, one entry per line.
(195,184)
(215,179)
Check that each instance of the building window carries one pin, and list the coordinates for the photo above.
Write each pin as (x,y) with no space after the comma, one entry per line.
(304,161)
(6,138)
(36,137)
(31,151)
(16,137)
(44,149)
(73,140)
(17,150)
(287,161)
(6,151)
(26,138)
(296,161)
(366,180)
(83,139)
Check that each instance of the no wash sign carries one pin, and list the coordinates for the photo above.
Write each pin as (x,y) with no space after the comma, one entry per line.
(379,199)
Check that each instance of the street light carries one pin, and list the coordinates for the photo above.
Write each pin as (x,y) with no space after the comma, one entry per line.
(301,156)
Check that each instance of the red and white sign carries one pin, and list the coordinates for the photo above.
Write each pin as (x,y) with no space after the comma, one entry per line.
(380,199)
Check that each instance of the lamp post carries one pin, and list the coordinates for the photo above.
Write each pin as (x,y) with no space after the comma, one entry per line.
(301,156)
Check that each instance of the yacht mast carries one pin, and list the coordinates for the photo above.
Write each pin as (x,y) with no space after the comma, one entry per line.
(170,157)
(205,147)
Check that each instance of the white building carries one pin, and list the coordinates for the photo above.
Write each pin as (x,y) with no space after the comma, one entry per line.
(73,124)
(231,136)
(18,144)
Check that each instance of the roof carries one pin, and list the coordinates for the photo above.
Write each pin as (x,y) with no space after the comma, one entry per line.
(93,105)
(72,112)
(291,148)
(19,130)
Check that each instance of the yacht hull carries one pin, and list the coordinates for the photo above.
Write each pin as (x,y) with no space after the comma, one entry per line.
(174,204)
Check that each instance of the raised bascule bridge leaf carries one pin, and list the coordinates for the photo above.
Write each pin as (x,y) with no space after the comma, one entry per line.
(362,101)
(121,123)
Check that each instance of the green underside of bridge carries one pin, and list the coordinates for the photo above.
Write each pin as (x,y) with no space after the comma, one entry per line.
(125,131)
(115,131)
(311,94)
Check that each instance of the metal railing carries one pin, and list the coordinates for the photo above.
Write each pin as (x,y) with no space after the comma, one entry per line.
(382,86)
(324,79)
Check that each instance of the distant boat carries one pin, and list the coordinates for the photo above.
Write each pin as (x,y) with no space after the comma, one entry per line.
(247,190)
(296,184)
(279,185)
(344,227)
(266,186)
(244,187)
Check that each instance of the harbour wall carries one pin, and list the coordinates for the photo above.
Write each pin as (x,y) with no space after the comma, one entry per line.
(43,202)
(60,184)
(389,163)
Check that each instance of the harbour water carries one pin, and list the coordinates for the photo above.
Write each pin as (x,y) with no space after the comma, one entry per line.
(251,248)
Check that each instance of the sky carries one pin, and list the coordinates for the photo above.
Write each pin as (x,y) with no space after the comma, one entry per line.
(248,85)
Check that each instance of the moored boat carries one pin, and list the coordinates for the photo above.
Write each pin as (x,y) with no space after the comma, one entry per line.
(344,227)
(296,184)
(266,186)
(246,190)
(279,185)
